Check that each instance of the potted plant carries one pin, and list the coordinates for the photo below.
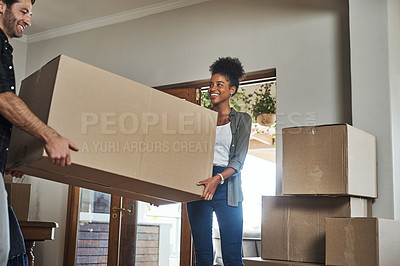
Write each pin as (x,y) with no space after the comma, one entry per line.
(262,105)
(236,102)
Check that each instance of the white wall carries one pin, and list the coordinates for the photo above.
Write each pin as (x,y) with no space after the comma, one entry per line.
(307,41)
(49,203)
(394,83)
(371,90)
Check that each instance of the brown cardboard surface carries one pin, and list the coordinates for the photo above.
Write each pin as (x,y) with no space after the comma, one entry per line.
(362,241)
(261,262)
(329,160)
(8,178)
(293,227)
(19,197)
(93,185)
(131,137)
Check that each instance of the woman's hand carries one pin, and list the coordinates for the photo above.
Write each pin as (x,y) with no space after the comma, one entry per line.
(210,185)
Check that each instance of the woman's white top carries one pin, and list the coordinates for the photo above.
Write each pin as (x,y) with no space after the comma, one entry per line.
(223,140)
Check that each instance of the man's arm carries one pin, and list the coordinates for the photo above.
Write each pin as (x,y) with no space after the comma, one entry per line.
(19,114)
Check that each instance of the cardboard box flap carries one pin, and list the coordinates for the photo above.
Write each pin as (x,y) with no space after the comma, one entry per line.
(41,84)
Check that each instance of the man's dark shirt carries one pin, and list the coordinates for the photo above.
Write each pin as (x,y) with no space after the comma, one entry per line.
(7,83)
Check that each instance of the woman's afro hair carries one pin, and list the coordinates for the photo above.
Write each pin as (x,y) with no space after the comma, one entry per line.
(232,68)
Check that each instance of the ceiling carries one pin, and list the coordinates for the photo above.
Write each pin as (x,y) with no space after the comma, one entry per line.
(52,16)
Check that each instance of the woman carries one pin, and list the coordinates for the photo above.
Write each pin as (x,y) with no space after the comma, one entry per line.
(222,192)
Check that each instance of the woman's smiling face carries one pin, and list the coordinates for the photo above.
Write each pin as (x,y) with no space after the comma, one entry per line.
(220,89)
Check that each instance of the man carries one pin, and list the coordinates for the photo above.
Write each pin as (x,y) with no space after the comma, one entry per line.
(15,16)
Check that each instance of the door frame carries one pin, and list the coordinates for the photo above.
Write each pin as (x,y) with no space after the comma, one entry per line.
(71,230)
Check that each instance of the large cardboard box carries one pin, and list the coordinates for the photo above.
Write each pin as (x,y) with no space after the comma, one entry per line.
(257,261)
(293,227)
(133,139)
(362,241)
(329,160)
(19,195)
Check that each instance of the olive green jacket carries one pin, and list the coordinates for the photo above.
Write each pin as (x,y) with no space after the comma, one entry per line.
(241,129)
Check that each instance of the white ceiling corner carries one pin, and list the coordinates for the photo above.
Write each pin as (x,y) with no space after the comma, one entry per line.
(111,19)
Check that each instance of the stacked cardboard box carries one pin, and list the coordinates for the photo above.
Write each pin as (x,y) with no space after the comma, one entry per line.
(18,196)
(328,171)
(134,141)
(362,241)
(294,227)
(329,160)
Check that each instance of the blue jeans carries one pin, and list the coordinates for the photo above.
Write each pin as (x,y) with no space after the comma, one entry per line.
(230,221)
(17,255)
(4,224)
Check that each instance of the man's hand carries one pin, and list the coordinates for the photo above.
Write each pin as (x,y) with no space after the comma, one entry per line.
(13,173)
(19,114)
(58,149)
